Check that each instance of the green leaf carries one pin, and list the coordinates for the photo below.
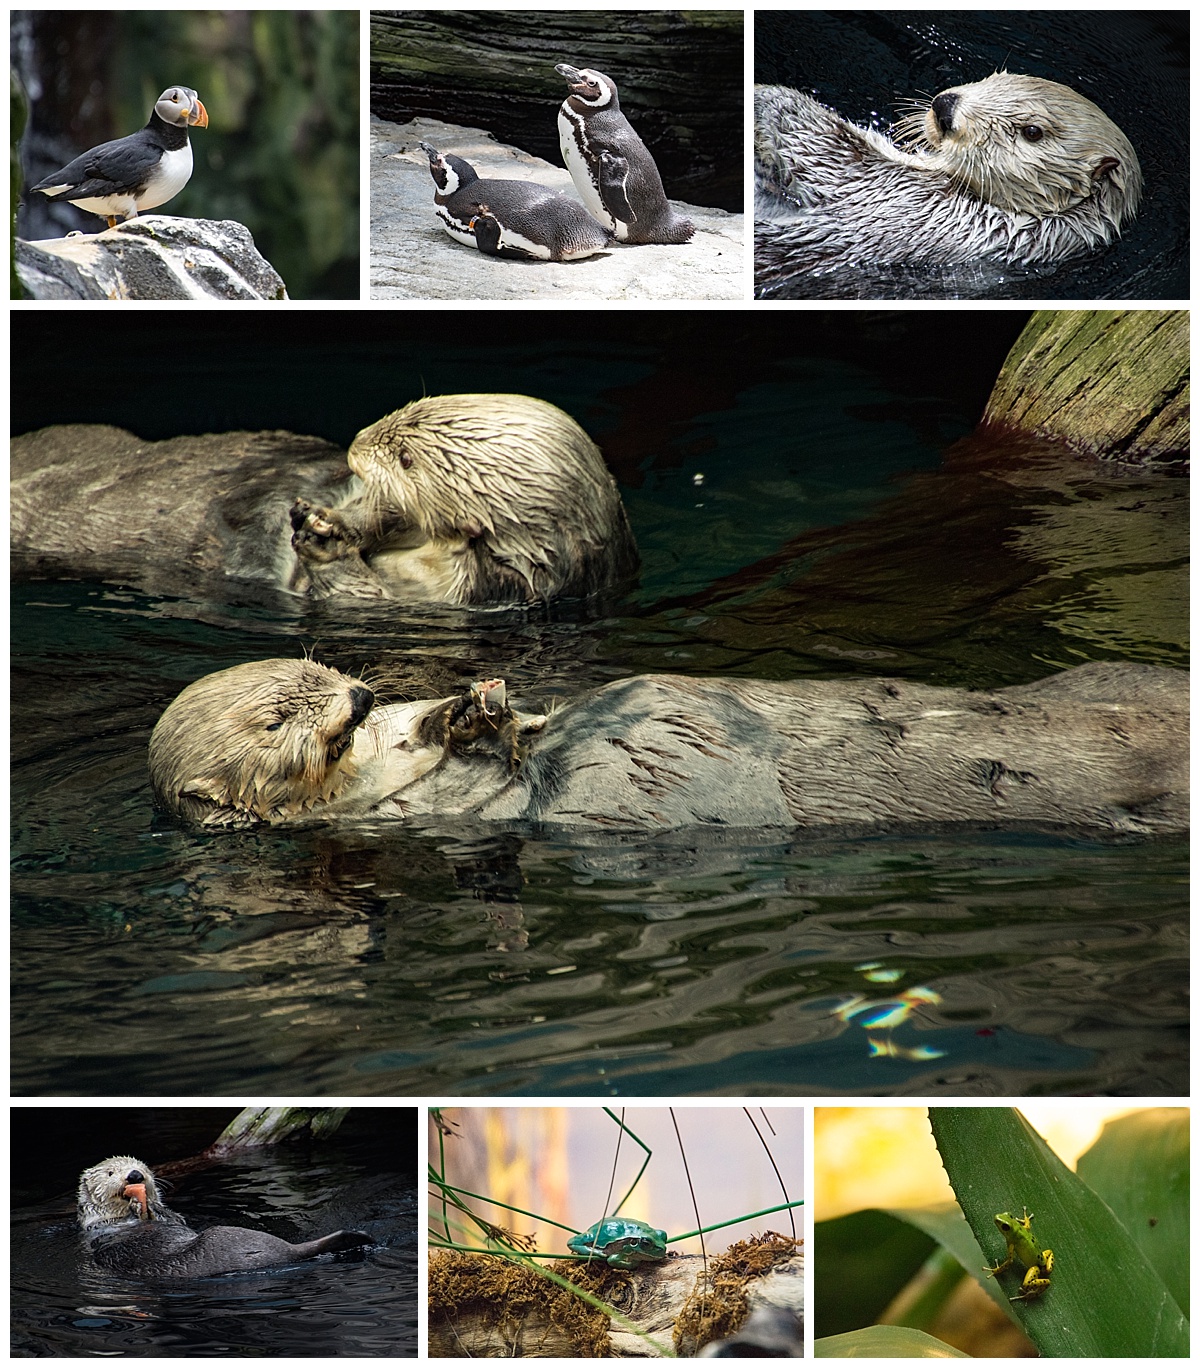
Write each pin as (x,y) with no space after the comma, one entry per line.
(1141,1167)
(1106,1300)
(884,1341)
(862,1261)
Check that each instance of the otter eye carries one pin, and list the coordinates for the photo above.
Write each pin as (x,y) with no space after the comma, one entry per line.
(1032,133)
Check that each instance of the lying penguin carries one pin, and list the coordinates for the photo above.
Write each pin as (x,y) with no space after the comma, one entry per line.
(141,171)
(612,168)
(132,1232)
(510,218)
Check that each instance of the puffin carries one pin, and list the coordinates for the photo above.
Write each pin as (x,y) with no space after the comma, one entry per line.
(141,171)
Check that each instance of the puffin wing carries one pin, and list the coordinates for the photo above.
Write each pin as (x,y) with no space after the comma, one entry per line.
(121,166)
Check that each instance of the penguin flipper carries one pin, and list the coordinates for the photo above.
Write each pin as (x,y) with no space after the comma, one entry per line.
(612,175)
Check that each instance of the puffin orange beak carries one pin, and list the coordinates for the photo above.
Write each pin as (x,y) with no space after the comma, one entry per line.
(138,1190)
(198,118)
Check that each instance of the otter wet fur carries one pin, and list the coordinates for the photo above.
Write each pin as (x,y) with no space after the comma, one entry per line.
(472,498)
(1011,169)
(132,1232)
(1101,747)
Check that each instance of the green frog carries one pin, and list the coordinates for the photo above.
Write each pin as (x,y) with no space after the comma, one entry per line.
(622,1242)
(1037,1263)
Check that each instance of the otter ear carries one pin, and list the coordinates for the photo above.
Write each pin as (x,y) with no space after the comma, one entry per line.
(1103,167)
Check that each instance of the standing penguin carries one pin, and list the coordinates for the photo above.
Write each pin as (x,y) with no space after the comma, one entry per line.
(614,173)
(141,171)
(510,218)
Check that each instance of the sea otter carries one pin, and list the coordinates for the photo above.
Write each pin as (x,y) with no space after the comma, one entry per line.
(472,498)
(132,1232)
(1011,169)
(1101,747)
(461,499)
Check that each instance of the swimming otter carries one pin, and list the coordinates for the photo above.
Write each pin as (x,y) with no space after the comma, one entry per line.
(1099,746)
(1012,169)
(472,498)
(132,1232)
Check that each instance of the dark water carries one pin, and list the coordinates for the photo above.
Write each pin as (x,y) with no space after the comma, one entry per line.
(1134,65)
(834,532)
(355,1305)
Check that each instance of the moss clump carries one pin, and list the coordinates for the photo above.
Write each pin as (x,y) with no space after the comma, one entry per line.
(716,1309)
(507,1296)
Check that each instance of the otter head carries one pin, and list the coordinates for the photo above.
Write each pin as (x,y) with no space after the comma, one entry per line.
(258,742)
(120,1189)
(510,485)
(588,89)
(1030,146)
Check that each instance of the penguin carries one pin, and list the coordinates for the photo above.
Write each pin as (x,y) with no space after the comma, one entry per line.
(614,173)
(141,171)
(132,1232)
(510,218)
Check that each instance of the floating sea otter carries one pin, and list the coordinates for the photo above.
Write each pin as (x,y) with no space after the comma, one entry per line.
(131,1231)
(1011,169)
(464,498)
(1101,746)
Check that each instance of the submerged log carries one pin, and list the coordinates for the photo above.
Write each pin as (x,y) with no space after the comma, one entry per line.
(1111,383)
(255,1127)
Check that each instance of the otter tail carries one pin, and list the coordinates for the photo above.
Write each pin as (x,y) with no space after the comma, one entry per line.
(332,1244)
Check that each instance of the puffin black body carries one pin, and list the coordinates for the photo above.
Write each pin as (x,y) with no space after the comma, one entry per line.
(132,1232)
(510,218)
(141,171)
(612,168)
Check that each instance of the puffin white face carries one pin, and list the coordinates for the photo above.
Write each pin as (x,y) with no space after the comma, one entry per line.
(588,87)
(181,105)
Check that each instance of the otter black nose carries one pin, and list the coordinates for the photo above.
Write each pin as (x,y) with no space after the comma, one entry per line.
(362,700)
(135,1176)
(944,106)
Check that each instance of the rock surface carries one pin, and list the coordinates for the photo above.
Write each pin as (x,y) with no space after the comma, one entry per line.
(678,72)
(154,256)
(413,258)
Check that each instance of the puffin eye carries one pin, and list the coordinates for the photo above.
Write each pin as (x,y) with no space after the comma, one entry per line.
(1032,133)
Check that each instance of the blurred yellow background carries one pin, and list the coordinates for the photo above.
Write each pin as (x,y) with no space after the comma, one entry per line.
(885,1156)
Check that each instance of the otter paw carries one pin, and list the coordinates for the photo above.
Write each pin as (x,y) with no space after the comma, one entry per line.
(321,535)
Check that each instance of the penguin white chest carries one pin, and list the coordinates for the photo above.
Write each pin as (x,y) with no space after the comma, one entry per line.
(572,139)
(168,178)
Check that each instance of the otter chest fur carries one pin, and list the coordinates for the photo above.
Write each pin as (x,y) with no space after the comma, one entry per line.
(1011,169)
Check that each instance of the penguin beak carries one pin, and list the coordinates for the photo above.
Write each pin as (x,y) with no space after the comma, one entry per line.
(568,73)
(138,1190)
(198,115)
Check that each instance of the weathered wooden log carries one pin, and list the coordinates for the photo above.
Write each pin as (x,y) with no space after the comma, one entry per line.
(485,1306)
(678,74)
(1111,383)
(254,1127)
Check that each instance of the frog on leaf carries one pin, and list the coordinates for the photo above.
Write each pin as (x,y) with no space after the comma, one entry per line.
(622,1242)
(1037,1263)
